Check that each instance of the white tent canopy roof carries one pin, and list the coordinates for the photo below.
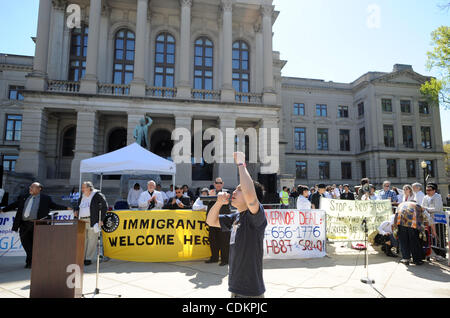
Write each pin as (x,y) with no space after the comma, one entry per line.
(133,160)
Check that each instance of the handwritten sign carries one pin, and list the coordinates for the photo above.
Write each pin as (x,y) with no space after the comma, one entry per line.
(294,234)
(344,218)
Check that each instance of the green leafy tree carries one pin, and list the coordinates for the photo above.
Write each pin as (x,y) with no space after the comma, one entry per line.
(437,90)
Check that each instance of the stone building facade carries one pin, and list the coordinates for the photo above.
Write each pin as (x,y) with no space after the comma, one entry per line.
(178,61)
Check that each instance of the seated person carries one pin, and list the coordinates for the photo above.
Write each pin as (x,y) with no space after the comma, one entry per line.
(386,237)
(179,202)
(198,204)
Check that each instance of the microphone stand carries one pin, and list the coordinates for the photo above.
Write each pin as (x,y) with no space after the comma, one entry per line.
(366,280)
(97,290)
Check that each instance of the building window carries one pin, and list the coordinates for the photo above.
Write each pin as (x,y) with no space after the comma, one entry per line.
(301,169)
(344,138)
(363,169)
(299,109)
(203,64)
(361,109)
(78,53)
(241,69)
(300,138)
(424,108)
(124,57)
(386,105)
(324,170)
(389,136)
(426,137)
(15,92)
(9,163)
(411,168)
(362,138)
(405,106)
(430,168)
(13,127)
(346,169)
(68,143)
(322,139)
(343,112)
(391,168)
(164,61)
(408,140)
(321,110)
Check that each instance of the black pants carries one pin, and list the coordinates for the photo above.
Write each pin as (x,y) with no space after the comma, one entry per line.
(26,231)
(410,243)
(219,242)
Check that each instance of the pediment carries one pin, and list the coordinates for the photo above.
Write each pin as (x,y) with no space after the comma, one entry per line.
(404,77)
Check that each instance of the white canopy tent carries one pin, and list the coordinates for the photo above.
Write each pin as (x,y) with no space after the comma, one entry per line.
(132,160)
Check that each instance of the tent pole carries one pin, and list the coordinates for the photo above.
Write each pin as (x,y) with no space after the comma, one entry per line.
(79,189)
(173,181)
(101,181)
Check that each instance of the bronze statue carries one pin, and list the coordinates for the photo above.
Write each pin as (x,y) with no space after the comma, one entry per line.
(141,132)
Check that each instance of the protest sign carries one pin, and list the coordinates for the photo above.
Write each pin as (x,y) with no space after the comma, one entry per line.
(344,217)
(156,236)
(294,234)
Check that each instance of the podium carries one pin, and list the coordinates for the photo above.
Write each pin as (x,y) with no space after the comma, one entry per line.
(58,259)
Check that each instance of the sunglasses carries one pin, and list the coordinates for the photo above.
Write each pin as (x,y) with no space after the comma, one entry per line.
(429,190)
(219,182)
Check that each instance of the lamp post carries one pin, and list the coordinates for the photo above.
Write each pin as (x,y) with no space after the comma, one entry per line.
(424,166)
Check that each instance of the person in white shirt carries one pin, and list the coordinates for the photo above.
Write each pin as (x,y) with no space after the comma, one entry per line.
(302,201)
(151,199)
(418,194)
(133,196)
(170,194)
(386,230)
(432,203)
(198,204)
(335,192)
(408,194)
(164,195)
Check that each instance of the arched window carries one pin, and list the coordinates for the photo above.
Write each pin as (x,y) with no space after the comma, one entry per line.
(68,142)
(203,64)
(241,67)
(123,57)
(78,53)
(164,60)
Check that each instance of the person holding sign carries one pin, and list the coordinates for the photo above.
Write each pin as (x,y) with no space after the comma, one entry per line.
(179,202)
(247,228)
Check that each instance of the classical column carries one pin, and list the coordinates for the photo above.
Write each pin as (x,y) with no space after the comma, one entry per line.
(228,94)
(32,143)
(37,80)
(89,82)
(103,49)
(56,45)
(184,170)
(259,53)
(269,96)
(85,143)
(184,84)
(138,83)
(227,169)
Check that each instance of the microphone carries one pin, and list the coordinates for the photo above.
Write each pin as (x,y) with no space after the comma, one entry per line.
(49,216)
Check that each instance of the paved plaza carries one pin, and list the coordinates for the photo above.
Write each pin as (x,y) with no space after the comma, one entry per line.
(337,275)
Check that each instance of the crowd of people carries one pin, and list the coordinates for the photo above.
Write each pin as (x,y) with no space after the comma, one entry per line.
(410,231)
(236,237)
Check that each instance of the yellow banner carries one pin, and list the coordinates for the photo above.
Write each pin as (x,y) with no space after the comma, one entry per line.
(156,236)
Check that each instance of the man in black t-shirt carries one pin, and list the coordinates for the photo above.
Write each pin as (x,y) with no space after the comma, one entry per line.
(247,228)
(315,198)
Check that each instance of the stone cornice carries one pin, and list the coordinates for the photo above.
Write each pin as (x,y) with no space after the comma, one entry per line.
(16,67)
(267,10)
